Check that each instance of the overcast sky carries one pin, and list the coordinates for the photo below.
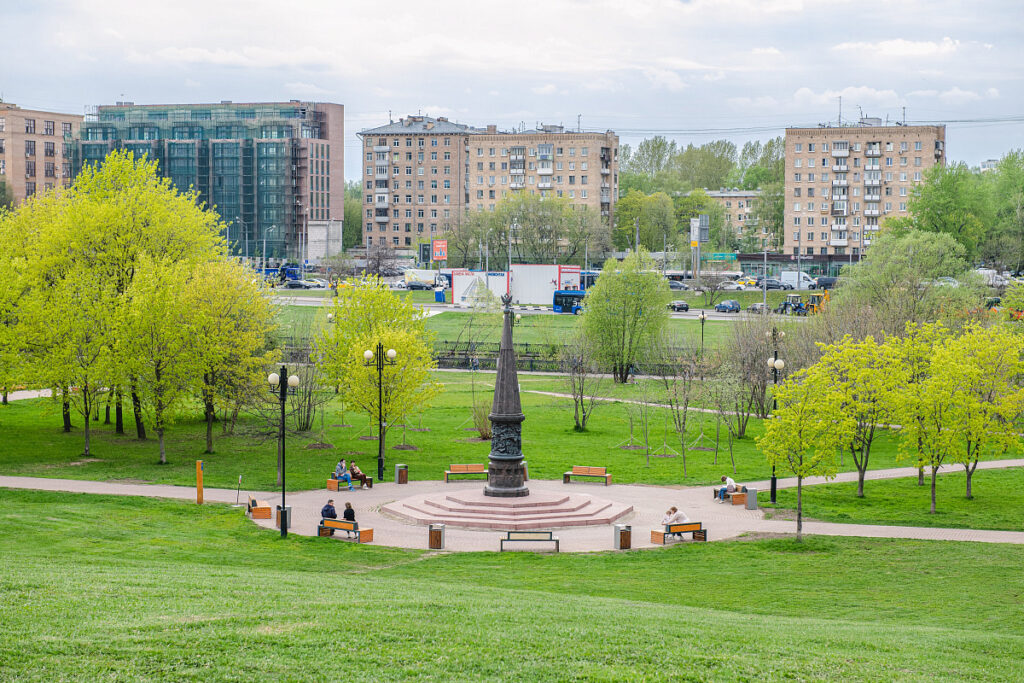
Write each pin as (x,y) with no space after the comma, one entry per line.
(693,71)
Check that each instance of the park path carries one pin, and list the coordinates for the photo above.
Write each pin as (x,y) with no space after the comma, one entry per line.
(649,503)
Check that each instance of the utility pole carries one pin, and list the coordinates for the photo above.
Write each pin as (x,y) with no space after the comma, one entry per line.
(636,234)
(764,280)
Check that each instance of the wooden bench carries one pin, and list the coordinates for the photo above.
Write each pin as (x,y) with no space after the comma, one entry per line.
(738,497)
(677,530)
(332,483)
(464,469)
(327,524)
(259,509)
(529,537)
(583,471)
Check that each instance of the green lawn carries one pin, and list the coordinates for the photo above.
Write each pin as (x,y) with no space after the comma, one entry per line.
(34,444)
(110,588)
(998,501)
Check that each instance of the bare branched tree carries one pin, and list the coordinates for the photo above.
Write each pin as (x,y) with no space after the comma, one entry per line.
(711,287)
(582,377)
(676,366)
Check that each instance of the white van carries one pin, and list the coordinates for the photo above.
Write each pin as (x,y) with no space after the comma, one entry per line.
(797,279)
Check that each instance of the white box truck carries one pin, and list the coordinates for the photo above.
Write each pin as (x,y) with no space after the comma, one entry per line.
(537,283)
(797,279)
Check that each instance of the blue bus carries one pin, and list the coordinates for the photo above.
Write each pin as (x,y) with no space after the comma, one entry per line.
(588,278)
(568,301)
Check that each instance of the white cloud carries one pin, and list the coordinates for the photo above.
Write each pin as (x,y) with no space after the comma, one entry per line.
(548,89)
(748,103)
(765,51)
(957,96)
(852,96)
(664,79)
(305,89)
(902,48)
(992,92)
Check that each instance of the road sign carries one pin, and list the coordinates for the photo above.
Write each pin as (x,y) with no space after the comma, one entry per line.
(728,256)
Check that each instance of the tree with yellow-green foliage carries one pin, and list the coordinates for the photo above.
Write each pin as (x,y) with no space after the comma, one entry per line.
(364,314)
(806,431)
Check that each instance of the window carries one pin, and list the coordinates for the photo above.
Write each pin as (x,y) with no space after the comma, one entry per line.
(796,177)
(810,146)
(903,146)
(30,148)
(30,125)
(903,206)
(798,163)
(810,237)
(799,147)
(917,146)
(917,161)
(796,193)
(30,169)
(810,191)
(824,237)
(3,123)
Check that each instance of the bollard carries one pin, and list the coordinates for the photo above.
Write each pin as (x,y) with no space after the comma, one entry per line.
(199,482)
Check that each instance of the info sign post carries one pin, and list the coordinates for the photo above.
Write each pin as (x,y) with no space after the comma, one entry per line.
(700,233)
(439,250)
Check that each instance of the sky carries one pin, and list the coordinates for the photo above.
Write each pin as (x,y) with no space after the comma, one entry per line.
(692,70)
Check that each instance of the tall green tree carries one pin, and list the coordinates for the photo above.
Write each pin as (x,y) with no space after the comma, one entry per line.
(353,216)
(624,311)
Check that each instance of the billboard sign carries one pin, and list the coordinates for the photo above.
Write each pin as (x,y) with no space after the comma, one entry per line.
(439,250)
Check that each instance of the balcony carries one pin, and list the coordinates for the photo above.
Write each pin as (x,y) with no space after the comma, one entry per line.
(605,171)
(606,198)
(867,243)
(872,197)
(836,242)
(840,153)
(871,182)
(824,207)
(840,182)
(871,212)
(517,185)
(382,202)
(382,219)
(544,184)
(546,157)
(840,168)
(517,157)
(839,209)
(381,148)
(606,213)
(839,226)
(873,152)
(876,167)
(545,171)
(381,173)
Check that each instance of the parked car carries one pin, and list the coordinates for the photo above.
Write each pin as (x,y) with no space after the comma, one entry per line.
(416,284)
(823,282)
(772,283)
(749,281)
(677,286)
(679,306)
(297,284)
(317,283)
(728,306)
(732,287)
(758,307)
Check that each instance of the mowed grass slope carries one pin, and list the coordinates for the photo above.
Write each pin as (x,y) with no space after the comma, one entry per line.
(109,588)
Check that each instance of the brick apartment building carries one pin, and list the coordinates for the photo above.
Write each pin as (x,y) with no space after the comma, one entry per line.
(739,206)
(35,149)
(421,173)
(842,181)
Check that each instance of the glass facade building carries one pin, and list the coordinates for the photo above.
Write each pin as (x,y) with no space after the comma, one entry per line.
(267,168)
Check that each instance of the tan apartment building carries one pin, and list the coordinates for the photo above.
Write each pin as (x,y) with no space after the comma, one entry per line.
(738,206)
(35,149)
(549,161)
(841,182)
(421,173)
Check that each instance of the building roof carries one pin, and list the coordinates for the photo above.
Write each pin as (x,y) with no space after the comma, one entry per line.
(421,125)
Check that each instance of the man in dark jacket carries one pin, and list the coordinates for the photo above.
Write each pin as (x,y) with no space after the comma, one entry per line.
(328,511)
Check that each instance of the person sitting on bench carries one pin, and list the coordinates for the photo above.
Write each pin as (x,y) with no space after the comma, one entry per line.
(349,515)
(357,474)
(729,487)
(328,511)
(674,516)
(341,474)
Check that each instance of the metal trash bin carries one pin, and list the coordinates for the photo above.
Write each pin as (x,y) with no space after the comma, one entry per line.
(435,536)
(287,517)
(401,474)
(623,538)
(751,499)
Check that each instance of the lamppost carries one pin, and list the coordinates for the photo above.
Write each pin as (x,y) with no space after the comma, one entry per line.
(380,359)
(776,365)
(282,389)
(702,317)
(245,228)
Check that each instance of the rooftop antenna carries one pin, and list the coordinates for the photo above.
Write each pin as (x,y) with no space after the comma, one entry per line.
(390,120)
(904,116)
(579,119)
(861,110)
(840,111)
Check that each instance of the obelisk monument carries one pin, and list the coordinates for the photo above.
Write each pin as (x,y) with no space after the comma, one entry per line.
(505,469)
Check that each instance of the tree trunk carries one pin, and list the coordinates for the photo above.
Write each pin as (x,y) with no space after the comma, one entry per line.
(140,427)
(935,471)
(860,481)
(66,413)
(4,394)
(106,415)
(87,405)
(160,437)
(920,476)
(158,421)
(209,408)
(118,414)
(970,473)
(799,509)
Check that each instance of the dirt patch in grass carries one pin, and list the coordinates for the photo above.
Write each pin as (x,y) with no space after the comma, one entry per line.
(318,446)
(785,514)
(130,480)
(367,437)
(474,440)
(405,447)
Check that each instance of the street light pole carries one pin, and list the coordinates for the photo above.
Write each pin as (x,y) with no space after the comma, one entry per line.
(380,359)
(282,389)
(776,364)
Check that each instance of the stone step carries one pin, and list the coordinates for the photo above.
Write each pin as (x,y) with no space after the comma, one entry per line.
(593,510)
(477,498)
(567,506)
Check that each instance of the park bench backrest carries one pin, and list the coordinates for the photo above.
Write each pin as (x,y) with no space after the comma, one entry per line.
(529,535)
(580,469)
(339,524)
(468,468)
(678,528)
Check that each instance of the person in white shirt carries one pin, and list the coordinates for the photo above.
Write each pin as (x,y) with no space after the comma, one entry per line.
(729,487)
(674,516)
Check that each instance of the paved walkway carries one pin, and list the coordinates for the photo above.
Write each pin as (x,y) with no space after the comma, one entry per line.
(649,503)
